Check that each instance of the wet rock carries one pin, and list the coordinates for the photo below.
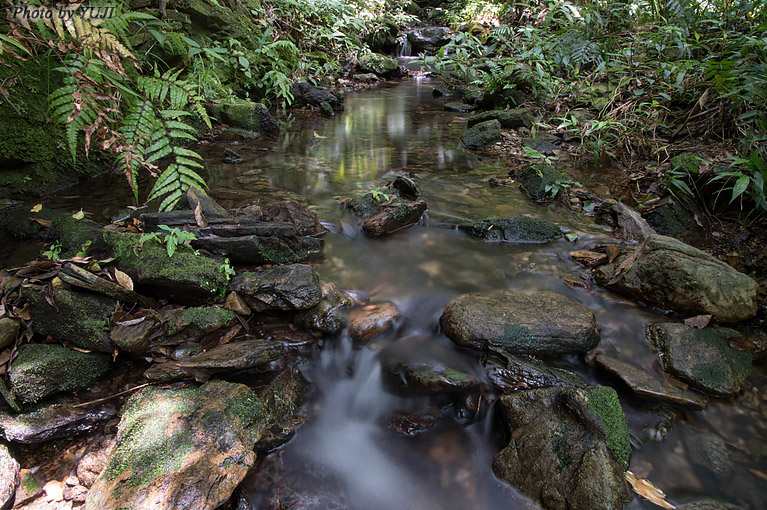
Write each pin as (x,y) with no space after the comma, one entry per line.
(54,419)
(25,225)
(245,355)
(326,109)
(9,331)
(329,316)
(542,323)
(186,350)
(650,387)
(413,423)
(237,135)
(185,277)
(568,449)
(517,373)
(589,258)
(9,477)
(381,65)
(417,365)
(542,146)
(80,318)
(428,39)
(135,337)
(666,272)
(631,224)
(209,207)
(231,157)
(73,491)
(537,181)
(44,369)
(282,400)
(701,357)
(405,186)
(383,39)
(708,451)
(182,325)
(675,218)
(245,115)
(517,229)
(365,78)
(371,321)
(307,94)
(94,460)
(186,448)
(290,287)
(75,236)
(29,488)
(256,250)
(237,304)
(305,221)
(509,119)
(459,107)
(708,504)
(394,217)
(481,135)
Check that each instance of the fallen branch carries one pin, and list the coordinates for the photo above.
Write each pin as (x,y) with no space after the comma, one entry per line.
(112,396)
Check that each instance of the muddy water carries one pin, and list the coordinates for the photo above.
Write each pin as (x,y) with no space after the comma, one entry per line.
(346,456)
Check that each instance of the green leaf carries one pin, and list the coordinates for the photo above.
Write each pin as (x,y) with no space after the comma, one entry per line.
(571,236)
(740,186)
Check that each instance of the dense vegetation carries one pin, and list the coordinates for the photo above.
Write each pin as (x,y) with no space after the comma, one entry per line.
(655,79)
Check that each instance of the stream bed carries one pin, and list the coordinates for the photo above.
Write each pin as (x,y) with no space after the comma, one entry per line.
(348,454)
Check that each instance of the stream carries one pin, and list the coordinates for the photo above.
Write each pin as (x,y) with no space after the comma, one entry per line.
(347,455)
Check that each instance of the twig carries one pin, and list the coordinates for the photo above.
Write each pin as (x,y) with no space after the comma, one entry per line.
(112,396)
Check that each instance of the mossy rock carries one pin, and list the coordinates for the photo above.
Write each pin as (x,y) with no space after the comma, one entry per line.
(179,448)
(378,64)
(701,357)
(44,369)
(518,229)
(74,235)
(175,46)
(544,323)
(81,318)
(9,331)
(481,135)
(536,181)
(509,119)
(562,452)
(193,322)
(288,288)
(245,115)
(186,277)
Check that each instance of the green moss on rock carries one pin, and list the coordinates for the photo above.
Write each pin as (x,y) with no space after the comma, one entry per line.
(518,229)
(535,178)
(75,235)
(207,318)
(603,402)
(44,369)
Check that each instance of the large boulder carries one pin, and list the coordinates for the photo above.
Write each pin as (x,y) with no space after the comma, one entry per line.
(307,94)
(509,119)
(481,135)
(80,318)
(701,357)
(44,369)
(282,399)
(539,181)
(568,449)
(428,39)
(544,323)
(378,64)
(666,272)
(289,287)
(246,115)
(180,448)
(516,228)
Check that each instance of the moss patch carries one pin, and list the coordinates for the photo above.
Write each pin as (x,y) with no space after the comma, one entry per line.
(603,402)
(43,369)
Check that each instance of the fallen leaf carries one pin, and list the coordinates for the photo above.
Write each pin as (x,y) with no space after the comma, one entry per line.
(647,490)
(42,222)
(199,217)
(612,252)
(623,267)
(131,322)
(37,208)
(741,343)
(123,279)
(759,474)
(79,215)
(226,338)
(699,321)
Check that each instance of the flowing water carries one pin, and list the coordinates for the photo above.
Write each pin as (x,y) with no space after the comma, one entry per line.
(346,455)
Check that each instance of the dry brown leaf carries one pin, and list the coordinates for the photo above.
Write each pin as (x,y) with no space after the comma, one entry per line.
(760,474)
(647,490)
(37,208)
(227,337)
(741,343)
(123,279)
(699,321)
(623,267)
(199,217)
(612,252)
(42,222)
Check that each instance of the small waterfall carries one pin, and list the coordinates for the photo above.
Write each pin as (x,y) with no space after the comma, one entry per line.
(404,49)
